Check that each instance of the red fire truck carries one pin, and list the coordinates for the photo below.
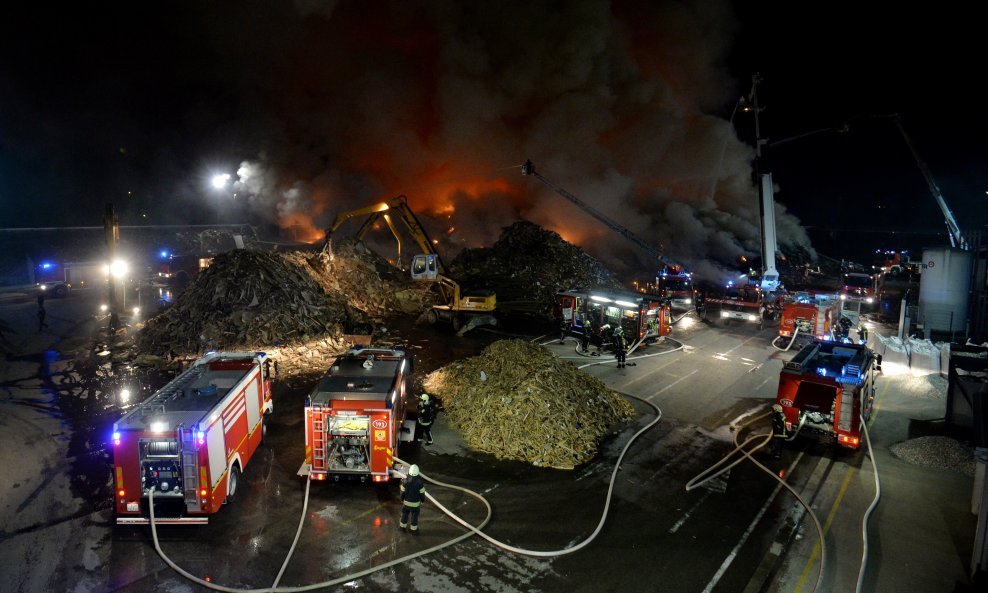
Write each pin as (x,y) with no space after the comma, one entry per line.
(190,441)
(829,387)
(858,286)
(355,416)
(582,314)
(676,284)
(746,302)
(812,316)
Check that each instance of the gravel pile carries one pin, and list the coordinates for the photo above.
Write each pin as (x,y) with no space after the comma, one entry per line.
(936,452)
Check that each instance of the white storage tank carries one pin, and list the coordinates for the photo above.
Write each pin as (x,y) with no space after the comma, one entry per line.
(944,286)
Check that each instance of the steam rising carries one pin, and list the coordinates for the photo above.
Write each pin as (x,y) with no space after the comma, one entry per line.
(443,101)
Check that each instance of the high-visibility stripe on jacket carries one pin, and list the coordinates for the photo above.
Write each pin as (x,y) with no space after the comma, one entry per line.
(412,491)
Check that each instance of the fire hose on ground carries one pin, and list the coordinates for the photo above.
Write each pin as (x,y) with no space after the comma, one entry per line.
(471,529)
(792,340)
(703,477)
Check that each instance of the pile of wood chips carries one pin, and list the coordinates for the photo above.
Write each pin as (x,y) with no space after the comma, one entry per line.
(517,401)
(368,282)
(246,299)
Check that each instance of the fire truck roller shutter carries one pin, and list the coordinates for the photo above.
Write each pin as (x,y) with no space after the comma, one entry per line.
(252,397)
(815,397)
(216,446)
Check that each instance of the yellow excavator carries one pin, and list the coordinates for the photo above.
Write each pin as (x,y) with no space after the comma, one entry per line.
(462,312)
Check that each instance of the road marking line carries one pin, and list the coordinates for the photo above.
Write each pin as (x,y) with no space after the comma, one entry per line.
(687,514)
(833,510)
(650,373)
(747,532)
(673,383)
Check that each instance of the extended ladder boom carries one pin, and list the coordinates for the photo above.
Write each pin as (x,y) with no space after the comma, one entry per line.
(529,169)
(956,237)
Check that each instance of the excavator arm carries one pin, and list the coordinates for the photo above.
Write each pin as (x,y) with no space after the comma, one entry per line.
(385,210)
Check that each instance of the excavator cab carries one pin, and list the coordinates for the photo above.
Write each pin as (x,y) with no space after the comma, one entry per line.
(425,266)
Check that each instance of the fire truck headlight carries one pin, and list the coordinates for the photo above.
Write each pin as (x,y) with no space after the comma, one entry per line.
(752,317)
(159,426)
(724,314)
(870,300)
(687,301)
(843,297)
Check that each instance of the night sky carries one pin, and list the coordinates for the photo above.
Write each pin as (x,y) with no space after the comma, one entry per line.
(317,107)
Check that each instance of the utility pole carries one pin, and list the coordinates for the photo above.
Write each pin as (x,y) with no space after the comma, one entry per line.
(111,231)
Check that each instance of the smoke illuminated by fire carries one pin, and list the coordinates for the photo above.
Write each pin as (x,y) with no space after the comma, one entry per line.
(442,101)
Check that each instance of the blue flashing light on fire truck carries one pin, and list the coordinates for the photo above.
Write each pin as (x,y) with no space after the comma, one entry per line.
(676,284)
(186,445)
(829,388)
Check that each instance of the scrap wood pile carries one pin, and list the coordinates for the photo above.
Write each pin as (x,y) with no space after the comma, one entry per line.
(369,283)
(528,262)
(517,401)
(247,299)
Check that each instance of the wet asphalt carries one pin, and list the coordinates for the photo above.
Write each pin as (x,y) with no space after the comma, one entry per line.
(657,535)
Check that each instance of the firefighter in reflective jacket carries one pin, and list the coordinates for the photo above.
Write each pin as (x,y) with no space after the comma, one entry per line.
(779,433)
(620,346)
(412,494)
(426,414)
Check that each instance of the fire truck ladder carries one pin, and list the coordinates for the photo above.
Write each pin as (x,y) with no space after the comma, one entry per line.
(190,467)
(175,388)
(318,440)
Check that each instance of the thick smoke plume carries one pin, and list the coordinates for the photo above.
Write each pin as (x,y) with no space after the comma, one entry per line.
(442,101)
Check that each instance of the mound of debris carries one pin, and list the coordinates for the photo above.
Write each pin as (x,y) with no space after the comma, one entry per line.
(369,283)
(530,263)
(247,299)
(936,452)
(517,401)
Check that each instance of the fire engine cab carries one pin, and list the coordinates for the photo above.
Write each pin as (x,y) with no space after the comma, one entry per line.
(189,442)
(355,416)
(676,284)
(829,387)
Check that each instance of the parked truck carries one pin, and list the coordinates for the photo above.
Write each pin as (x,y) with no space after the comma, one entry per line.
(355,416)
(189,442)
(829,388)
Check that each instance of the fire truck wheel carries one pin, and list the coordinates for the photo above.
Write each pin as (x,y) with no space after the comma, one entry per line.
(457,323)
(433,316)
(60,291)
(234,483)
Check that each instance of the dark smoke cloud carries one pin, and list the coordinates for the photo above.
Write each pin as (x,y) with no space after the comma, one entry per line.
(442,100)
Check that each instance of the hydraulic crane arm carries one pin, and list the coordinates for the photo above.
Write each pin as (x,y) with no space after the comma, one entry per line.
(529,169)
(956,236)
(398,205)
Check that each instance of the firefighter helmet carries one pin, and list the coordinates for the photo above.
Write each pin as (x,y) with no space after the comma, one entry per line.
(414,470)
(776,408)
(425,398)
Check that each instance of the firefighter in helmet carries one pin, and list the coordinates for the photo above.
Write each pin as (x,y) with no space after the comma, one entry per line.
(412,492)
(426,415)
(620,346)
(779,433)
